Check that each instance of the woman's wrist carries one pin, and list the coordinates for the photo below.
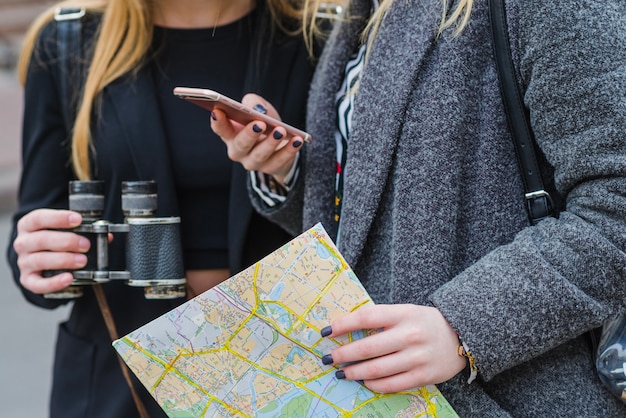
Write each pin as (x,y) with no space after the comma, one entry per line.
(287,178)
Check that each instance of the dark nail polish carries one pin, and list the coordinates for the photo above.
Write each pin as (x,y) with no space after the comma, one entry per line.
(278,134)
(256,128)
(327,359)
(296,144)
(260,108)
(360,382)
(213,116)
(340,374)
(326,331)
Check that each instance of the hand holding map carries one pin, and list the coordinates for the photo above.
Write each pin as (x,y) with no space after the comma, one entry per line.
(251,346)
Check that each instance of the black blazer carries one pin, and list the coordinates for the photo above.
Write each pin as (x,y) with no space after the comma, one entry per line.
(130,143)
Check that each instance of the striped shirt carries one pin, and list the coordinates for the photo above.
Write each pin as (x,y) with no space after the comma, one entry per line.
(271,192)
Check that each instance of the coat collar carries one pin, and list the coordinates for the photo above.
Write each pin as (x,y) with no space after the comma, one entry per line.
(320,154)
(384,93)
(133,99)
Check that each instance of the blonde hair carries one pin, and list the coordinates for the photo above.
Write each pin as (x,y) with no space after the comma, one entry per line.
(123,39)
(458,18)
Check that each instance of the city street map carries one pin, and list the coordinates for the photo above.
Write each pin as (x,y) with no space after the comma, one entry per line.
(251,347)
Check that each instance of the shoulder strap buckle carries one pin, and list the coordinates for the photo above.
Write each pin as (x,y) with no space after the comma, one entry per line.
(537,194)
(329,11)
(69,22)
(71,13)
(539,205)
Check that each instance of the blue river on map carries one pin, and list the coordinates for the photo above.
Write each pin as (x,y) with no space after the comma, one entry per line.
(276,292)
(322,251)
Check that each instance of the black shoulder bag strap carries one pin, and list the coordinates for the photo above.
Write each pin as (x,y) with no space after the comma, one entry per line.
(538,202)
(72,68)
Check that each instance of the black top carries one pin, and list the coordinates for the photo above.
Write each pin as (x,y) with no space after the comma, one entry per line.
(213,58)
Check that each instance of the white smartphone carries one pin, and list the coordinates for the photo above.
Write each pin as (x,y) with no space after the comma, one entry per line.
(209,100)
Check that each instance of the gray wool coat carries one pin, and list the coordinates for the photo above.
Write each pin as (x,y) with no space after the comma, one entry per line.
(433,209)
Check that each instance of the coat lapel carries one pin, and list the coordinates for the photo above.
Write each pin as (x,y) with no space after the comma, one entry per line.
(320,159)
(136,108)
(380,105)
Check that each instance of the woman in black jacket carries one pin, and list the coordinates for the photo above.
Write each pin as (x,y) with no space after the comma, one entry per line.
(129,126)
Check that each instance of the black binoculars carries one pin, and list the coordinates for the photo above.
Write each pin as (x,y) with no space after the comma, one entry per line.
(153,247)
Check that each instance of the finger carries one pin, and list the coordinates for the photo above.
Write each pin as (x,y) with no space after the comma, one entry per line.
(248,139)
(270,157)
(223,127)
(239,139)
(285,155)
(263,152)
(255,101)
(370,317)
(399,361)
(373,346)
(409,380)
(280,134)
(46,260)
(39,285)
(392,373)
(428,360)
(48,219)
(50,240)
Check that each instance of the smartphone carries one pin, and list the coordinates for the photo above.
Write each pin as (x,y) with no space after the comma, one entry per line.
(209,99)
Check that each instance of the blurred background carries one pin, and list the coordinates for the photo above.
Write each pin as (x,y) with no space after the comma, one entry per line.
(28,333)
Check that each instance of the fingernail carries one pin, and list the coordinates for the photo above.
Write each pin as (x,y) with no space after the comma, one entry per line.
(361,382)
(260,108)
(75,219)
(83,244)
(340,374)
(213,116)
(296,143)
(327,359)
(256,128)
(278,134)
(326,331)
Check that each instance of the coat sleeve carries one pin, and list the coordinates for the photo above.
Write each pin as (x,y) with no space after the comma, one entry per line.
(564,276)
(287,214)
(290,99)
(46,167)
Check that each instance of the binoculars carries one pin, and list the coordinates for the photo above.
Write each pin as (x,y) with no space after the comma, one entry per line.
(153,247)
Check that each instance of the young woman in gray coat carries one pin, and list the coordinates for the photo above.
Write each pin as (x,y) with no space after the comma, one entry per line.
(412,169)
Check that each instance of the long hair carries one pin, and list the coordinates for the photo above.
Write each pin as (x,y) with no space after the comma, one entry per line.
(122,42)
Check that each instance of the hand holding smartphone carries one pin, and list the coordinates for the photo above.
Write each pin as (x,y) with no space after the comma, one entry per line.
(209,100)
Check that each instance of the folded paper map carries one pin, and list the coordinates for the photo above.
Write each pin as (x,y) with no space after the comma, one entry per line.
(251,346)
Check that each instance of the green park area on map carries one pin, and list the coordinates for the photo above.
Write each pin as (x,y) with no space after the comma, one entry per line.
(251,346)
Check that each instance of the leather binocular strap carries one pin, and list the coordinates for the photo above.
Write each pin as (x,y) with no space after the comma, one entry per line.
(110,323)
